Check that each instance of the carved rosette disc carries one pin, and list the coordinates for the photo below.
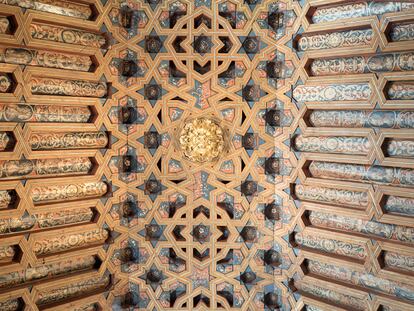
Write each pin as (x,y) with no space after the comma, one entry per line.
(202,140)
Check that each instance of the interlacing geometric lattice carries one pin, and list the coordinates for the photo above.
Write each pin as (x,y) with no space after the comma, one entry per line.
(300,200)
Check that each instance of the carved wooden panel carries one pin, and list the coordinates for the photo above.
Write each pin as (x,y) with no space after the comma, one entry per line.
(211,155)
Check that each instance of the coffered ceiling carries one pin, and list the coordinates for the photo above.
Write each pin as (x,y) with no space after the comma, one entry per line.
(209,155)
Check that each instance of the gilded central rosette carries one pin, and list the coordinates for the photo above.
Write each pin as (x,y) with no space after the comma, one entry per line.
(202,140)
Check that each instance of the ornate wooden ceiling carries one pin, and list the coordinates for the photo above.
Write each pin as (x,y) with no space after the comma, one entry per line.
(298,199)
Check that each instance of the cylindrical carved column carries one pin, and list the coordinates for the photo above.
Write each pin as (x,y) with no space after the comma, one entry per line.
(399,261)
(44,113)
(46,271)
(340,11)
(51,245)
(10,305)
(46,220)
(64,217)
(89,307)
(366,280)
(65,8)
(362,173)
(338,39)
(7,253)
(362,64)
(332,144)
(362,118)
(66,35)
(402,32)
(399,205)
(62,192)
(336,297)
(50,86)
(356,199)
(6,83)
(65,140)
(332,92)
(329,245)
(348,224)
(401,90)
(6,198)
(43,58)
(5,140)
(4,25)
(17,169)
(12,225)
(400,148)
(73,289)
